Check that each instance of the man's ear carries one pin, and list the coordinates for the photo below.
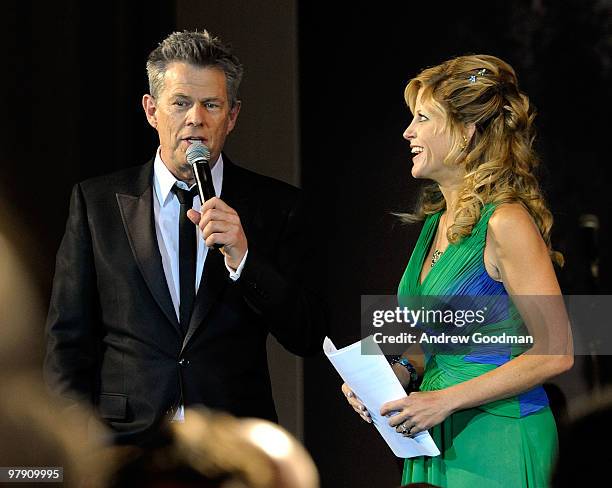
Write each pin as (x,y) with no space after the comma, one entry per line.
(150,108)
(233,116)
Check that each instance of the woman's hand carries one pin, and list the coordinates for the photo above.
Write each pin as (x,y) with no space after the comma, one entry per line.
(356,404)
(419,411)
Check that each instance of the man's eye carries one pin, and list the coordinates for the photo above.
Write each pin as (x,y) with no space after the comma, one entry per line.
(179,103)
(211,105)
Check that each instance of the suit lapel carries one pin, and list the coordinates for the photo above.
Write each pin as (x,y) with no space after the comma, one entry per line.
(215,275)
(236,191)
(214,280)
(136,209)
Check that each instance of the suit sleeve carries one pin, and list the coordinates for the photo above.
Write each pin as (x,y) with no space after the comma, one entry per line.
(286,289)
(71,353)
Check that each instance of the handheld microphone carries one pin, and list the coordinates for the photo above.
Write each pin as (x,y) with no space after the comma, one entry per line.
(595,365)
(198,157)
(589,225)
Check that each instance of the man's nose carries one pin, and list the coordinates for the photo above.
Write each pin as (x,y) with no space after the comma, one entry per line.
(196,115)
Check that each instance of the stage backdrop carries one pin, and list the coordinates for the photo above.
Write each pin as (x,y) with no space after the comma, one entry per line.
(323,107)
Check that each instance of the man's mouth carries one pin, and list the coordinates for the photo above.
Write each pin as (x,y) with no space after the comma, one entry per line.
(191,140)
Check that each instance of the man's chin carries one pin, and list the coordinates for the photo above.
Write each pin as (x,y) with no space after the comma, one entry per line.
(187,176)
(182,172)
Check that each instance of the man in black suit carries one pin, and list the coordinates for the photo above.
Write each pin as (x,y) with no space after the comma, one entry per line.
(125,332)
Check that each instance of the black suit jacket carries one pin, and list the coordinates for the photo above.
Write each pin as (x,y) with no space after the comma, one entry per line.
(113,338)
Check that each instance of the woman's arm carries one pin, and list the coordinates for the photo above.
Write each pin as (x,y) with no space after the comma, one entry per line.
(521,257)
(417,359)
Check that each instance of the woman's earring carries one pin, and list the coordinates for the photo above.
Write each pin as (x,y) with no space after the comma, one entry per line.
(465,143)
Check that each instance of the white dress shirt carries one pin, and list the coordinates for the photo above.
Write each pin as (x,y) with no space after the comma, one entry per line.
(166,208)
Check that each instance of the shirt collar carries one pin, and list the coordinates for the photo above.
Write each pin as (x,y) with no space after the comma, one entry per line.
(164,180)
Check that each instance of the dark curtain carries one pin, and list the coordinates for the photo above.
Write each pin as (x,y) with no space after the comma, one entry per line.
(354,65)
(75,75)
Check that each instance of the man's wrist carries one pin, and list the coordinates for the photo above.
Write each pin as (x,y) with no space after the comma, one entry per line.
(234,274)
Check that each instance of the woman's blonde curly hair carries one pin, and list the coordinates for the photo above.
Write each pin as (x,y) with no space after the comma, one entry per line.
(499,160)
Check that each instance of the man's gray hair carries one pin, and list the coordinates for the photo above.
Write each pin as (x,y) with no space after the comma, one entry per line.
(198,49)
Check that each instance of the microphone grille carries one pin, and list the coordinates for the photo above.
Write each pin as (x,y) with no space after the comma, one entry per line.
(196,152)
(589,221)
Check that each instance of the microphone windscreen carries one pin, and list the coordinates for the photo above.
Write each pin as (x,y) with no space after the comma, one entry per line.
(197,152)
(589,221)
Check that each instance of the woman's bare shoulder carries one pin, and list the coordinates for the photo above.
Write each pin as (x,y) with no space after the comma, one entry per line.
(512,222)
(519,252)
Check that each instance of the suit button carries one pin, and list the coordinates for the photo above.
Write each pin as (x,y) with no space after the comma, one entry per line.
(183,362)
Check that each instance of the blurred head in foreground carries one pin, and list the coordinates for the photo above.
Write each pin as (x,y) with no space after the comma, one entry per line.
(213,449)
(35,429)
(21,313)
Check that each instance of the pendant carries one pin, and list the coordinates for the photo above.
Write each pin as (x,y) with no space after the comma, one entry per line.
(436,255)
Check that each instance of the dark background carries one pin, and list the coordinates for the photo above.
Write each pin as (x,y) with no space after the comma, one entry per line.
(72,83)
(354,67)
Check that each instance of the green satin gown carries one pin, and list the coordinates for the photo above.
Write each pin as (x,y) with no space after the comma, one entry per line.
(507,443)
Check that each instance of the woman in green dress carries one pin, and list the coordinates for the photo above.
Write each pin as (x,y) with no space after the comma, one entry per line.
(486,233)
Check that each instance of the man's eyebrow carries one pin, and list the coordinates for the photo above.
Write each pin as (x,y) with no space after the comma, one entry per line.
(203,100)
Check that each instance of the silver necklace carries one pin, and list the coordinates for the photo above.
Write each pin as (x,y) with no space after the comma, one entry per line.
(437,253)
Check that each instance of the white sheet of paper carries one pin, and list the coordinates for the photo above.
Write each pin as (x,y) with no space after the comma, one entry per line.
(374,383)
